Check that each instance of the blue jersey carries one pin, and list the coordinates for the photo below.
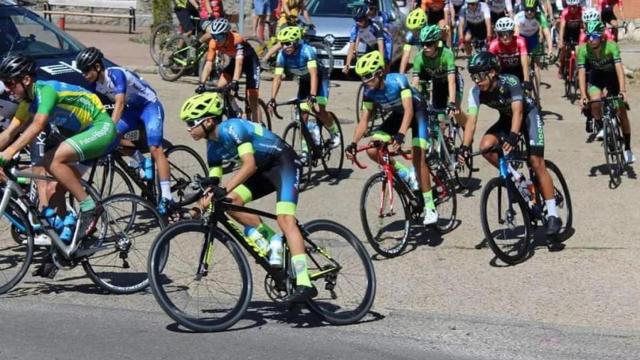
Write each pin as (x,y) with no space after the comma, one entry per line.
(137,92)
(396,88)
(237,137)
(411,39)
(370,34)
(299,62)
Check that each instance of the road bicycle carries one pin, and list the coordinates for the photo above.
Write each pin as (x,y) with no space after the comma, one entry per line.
(201,278)
(389,207)
(114,257)
(320,152)
(181,55)
(570,72)
(511,207)
(166,30)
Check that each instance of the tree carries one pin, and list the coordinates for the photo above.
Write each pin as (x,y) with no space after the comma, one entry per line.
(161,10)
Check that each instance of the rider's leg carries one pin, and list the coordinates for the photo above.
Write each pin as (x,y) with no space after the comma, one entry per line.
(488,141)
(240,196)
(252,74)
(467,43)
(596,108)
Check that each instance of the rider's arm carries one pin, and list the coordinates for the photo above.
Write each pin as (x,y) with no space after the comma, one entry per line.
(450,64)
(524,56)
(615,52)
(285,8)
(547,36)
(561,33)
(379,33)
(516,116)
(451,79)
(509,7)
(207,6)
(461,26)
(37,126)
(247,168)
(237,71)
(278,72)
(365,115)
(119,80)
(407,106)
(208,65)
(406,53)
(10,132)
(353,39)
(195,4)
(487,21)
(472,115)
(581,60)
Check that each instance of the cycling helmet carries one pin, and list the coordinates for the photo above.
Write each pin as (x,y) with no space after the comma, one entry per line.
(573,2)
(483,61)
(220,26)
(360,13)
(416,19)
(290,34)
(594,27)
(430,33)
(531,4)
(369,63)
(591,14)
(505,24)
(201,106)
(16,66)
(88,57)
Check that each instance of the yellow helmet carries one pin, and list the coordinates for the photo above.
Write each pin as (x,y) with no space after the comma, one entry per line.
(369,63)
(290,34)
(201,106)
(416,19)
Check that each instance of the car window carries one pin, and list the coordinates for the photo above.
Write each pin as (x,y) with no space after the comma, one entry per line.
(335,8)
(28,34)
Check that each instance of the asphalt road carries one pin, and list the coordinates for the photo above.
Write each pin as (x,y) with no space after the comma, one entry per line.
(442,299)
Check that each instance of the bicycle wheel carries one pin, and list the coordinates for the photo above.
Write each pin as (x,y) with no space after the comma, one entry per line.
(15,258)
(462,172)
(158,38)
(506,228)
(444,196)
(341,270)
(293,137)
(263,117)
(109,179)
(385,216)
(563,201)
(332,157)
(127,228)
(201,299)
(174,58)
(184,164)
(613,153)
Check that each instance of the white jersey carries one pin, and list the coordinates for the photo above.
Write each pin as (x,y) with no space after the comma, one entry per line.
(122,81)
(475,17)
(529,27)
(500,6)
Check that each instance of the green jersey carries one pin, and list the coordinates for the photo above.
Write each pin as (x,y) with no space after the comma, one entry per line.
(602,60)
(436,68)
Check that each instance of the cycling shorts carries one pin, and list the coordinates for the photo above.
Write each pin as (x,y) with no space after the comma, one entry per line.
(533,129)
(477,31)
(304,89)
(571,33)
(434,16)
(95,140)
(496,16)
(513,70)
(440,92)
(599,81)
(184,18)
(419,126)
(608,15)
(151,116)
(48,139)
(281,176)
(250,68)
(533,43)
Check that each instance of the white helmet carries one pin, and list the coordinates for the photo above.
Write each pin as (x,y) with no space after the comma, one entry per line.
(220,26)
(591,14)
(472,1)
(573,2)
(505,24)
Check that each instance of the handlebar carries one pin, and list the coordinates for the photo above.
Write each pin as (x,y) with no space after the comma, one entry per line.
(225,90)
(381,146)
(608,99)
(293,101)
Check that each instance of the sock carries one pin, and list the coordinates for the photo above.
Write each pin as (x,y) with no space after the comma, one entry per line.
(165,187)
(87,204)
(551,208)
(138,157)
(299,264)
(265,230)
(333,129)
(428,200)
(627,141)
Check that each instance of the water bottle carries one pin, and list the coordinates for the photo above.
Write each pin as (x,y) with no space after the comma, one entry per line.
(275,250)
(315,131)
(261,244)
(148,168)
(408,175)
(54,220)
(135,165)
(522,184)
(69,226)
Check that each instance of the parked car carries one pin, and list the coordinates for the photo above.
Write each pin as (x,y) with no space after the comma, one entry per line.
(25,32)
(333,21)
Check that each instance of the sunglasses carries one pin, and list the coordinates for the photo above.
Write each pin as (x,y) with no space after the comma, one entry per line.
(429,43)
(594,36)
(367,78)
(194,123)
(10,84)
(477,77)
(505,33)
(287,44)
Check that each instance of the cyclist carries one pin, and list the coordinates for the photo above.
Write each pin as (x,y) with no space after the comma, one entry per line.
(529,23)
(375,14)
(436,63)
(300,59)
(393,93)
(475,24)
(438,14)
(243,60)
(185,10)
(518,116)
(268,165)
(602,58)
(415,21)
(511,50)
(372,34)
(570,24)
(135,104)
(77,113)
(293,9)
(606,8)
(500,9)
(589,15)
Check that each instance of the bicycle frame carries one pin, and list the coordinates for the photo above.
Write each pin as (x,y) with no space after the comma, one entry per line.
(316,149)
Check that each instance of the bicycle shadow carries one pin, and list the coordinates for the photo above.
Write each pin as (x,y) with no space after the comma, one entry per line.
(319,176)
(35,287)
(545,113)
(474,185)
(261,312)
(540,240)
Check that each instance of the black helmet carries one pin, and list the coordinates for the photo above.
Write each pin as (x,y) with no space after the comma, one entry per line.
(483,61)
(88,57)
(15,66)
(360,13)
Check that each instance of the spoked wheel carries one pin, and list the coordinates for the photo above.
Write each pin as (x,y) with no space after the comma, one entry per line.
(15,257)
(341,271)
(506,228)
(184,164)
(109,179)
(444,196)
(158,39)
(613,152)
(200,297)
(174,58)
(332,156)
(462,172)
(293,137)
(563,201)
(126,229)
(385,216)
(263,114)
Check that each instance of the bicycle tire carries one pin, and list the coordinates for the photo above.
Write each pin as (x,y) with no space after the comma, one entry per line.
(166,289)
(265,118)
(14,256)
(183,170)
(328,304)
(124,238)
(173,61)
(613,153)
(159,35)
(523,246)
(292,136)
(375,237)
(333,170)
(106,185)
(563,201)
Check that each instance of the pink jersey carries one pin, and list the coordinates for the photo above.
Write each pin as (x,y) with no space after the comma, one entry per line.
(608,35)
(509,54)
(570,15)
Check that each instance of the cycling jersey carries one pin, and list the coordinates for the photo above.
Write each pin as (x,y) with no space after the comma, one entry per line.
(529,27)
(604,63)
(510,55)
(234,45)
(299,63)
(437,69)
(370,36)
(275,161)
(138,92)
(476,17)
(572,17)
(500,6)
(411,39)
